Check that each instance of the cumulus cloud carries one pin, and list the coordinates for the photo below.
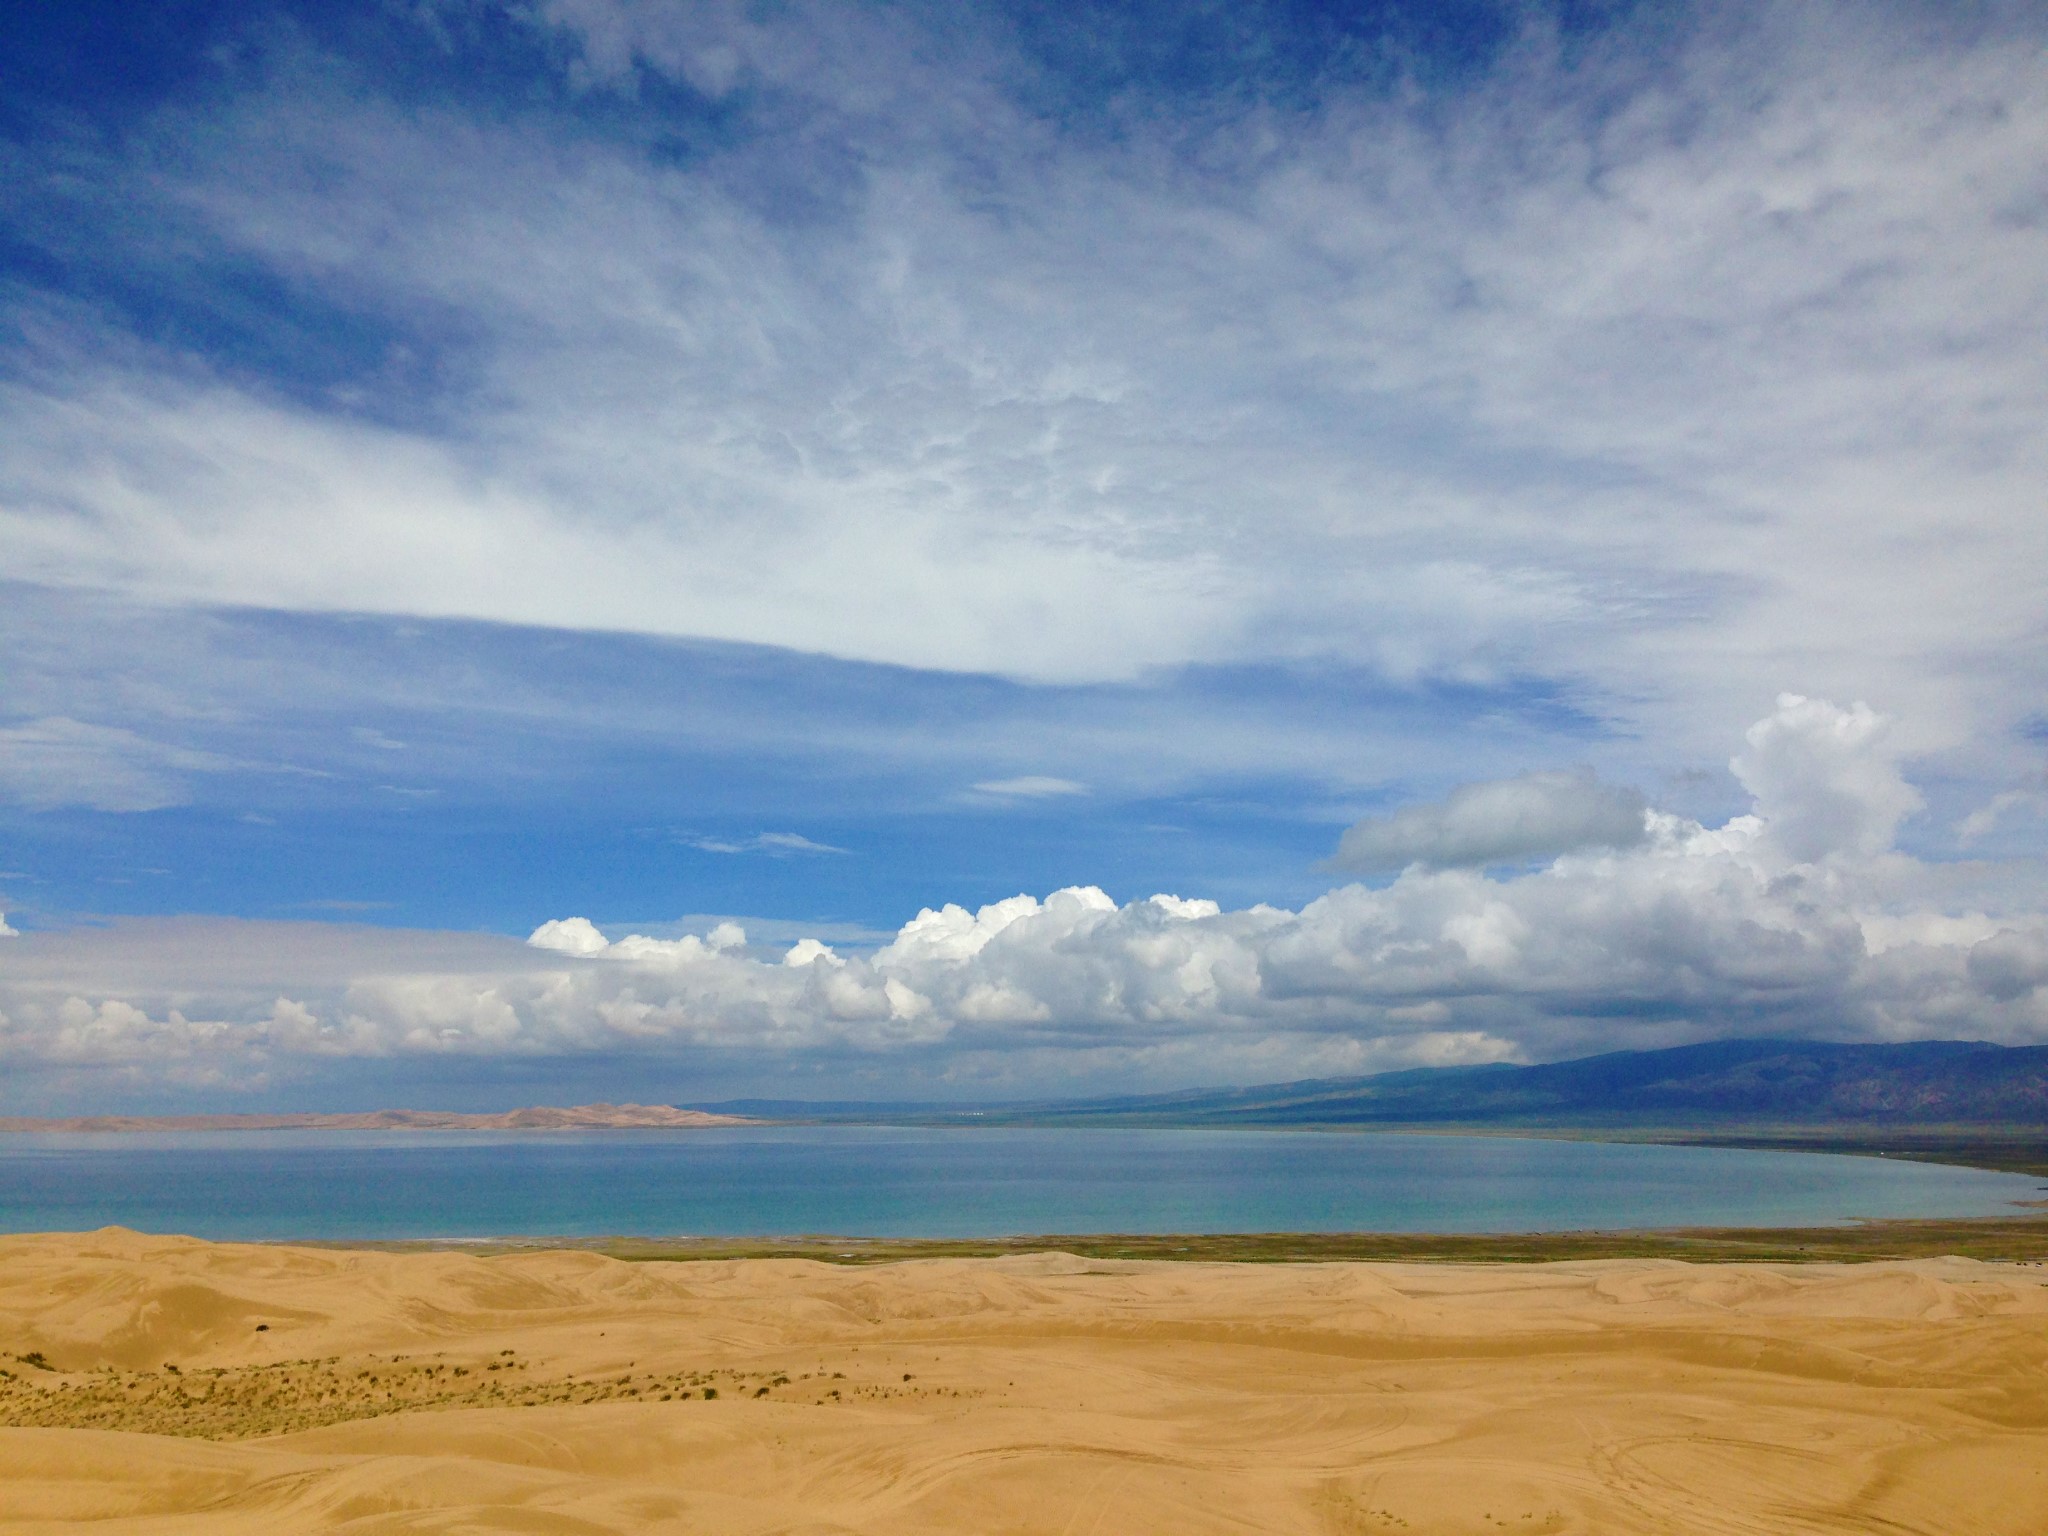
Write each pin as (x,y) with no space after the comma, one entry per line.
(1793,918)
(569,936)
(2010,964)
(1538,815)
(1826,781)
(6,931)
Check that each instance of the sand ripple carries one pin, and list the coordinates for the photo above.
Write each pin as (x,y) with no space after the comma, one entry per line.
(165,1385)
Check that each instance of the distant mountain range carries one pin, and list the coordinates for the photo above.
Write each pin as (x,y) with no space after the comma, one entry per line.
(1716,1091)
(1726,1084)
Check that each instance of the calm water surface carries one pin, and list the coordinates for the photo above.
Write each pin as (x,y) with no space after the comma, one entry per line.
(888,1182)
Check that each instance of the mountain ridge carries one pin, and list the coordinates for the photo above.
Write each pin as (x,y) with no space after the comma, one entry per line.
(1717,1084)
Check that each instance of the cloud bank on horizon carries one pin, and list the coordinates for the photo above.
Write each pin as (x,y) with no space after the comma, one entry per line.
(1797,918)
(469,463)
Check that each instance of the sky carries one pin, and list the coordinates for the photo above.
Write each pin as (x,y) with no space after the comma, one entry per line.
(646,550)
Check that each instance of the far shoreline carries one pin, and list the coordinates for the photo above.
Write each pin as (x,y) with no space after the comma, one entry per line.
(2016,1239)
(536,1117)
(1997,1149)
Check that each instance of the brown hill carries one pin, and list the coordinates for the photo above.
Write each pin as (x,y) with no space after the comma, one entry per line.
(580,1117)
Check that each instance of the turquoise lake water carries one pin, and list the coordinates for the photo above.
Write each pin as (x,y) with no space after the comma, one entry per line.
(885,1182)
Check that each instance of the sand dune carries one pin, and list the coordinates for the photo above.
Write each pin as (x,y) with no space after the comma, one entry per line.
(567,1392)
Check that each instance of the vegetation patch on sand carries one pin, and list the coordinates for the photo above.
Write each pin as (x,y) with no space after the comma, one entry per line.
(285,1396)
(2014,1239)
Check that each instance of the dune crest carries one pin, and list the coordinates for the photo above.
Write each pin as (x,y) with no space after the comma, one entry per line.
(151,1381)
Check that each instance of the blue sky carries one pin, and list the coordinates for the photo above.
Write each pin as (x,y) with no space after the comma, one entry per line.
(469,466)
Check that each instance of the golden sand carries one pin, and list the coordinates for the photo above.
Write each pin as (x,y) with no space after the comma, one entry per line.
(566,1392)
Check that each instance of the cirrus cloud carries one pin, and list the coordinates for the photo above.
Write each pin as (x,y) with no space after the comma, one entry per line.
(1030,786)
(56,761)
(777,845)
(1572,366)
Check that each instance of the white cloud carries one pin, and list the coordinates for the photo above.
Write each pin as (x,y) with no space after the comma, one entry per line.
(1030,786)
(1795,918)
(810,952)
(780,845)
(56,761)
(1538,815)
(1826,780)
(7,931)
(1576,371)
(1980,822)
(569,936)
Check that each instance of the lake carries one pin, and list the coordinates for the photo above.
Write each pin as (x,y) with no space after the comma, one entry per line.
(894,1182)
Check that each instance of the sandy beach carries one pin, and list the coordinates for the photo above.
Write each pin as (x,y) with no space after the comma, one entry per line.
(161,1384)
